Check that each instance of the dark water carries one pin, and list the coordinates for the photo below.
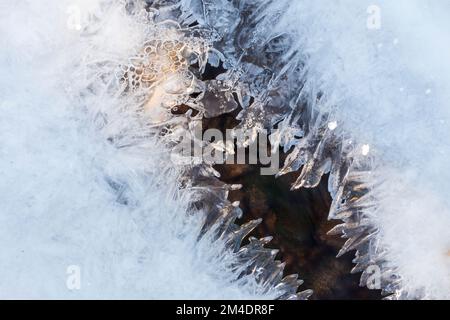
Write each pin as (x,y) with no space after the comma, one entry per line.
(298,222)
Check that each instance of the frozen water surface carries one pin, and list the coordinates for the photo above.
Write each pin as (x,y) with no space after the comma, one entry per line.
(87,180)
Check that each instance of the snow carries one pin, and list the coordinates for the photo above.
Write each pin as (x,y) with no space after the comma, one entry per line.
(386,83)
(60,210)
(389,87)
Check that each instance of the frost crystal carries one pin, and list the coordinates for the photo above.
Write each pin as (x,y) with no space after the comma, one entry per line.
(95,100)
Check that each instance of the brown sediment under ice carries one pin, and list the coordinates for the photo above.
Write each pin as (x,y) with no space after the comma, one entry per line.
(298,222)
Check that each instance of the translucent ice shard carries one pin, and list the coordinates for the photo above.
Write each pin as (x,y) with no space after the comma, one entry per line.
(366,99)
(88,133)
(370,98)
(89,183)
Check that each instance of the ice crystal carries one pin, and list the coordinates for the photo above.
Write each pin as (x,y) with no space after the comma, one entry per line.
(89,96)
(87,179)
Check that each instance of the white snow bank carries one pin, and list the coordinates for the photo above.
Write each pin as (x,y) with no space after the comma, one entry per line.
(60,212)
(391,89)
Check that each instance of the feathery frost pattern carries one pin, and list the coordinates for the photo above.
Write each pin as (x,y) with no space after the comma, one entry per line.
(124,82)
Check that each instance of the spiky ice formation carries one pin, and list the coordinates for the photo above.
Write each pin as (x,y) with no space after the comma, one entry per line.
(87,174)
(369,106)
(346,100)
